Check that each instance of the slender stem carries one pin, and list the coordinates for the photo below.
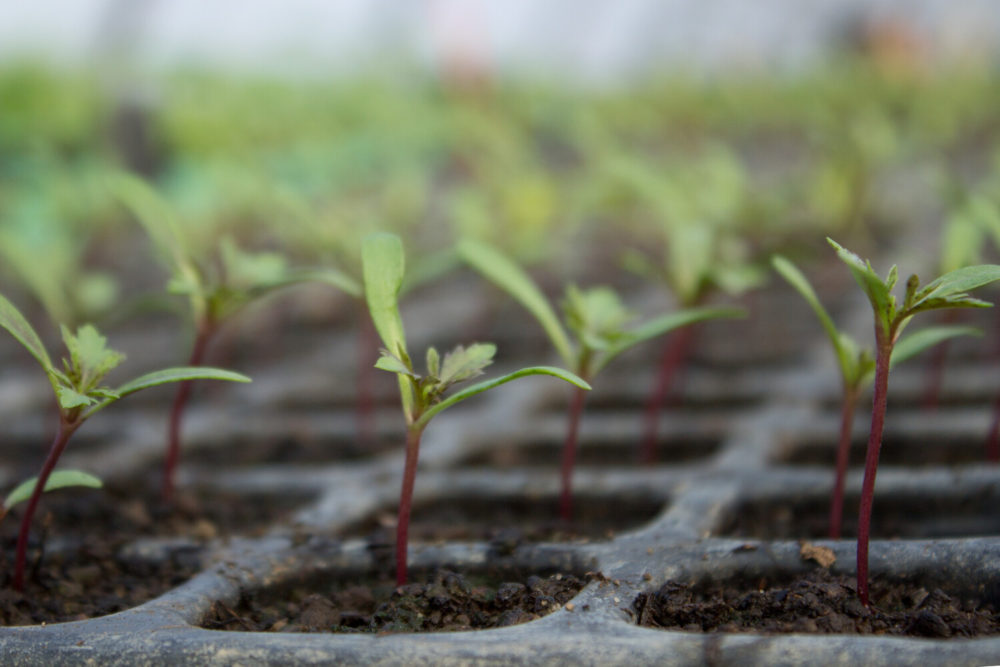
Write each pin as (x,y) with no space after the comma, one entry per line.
(993,440)
(935,368)
(66,429)
(205,331)
(843,455)
(367,356)
(674,350)
(884,341)
(406,501)
(569,455)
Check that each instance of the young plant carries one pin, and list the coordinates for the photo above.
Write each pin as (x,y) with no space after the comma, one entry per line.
(423,396)
(596,318)
(80,395)
(857,368)
(947,291)
(217,287)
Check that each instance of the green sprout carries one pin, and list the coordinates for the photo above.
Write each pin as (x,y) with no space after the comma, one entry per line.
(423,396)
(857,370)
(217,287)
(80,394)
(947,291)
(599,323)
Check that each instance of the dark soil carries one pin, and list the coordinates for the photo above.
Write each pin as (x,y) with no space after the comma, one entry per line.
(77,567)
(448,601)
(597,453)
(926,452)
(818,602)
(904,516)
(507,522)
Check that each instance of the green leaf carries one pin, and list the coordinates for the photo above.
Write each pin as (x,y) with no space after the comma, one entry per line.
(661,325)
(486,385)
(874,288)
(89,354)
(913,344)
(70,398)
(956,284)
(801,284)
(328,276)
(13,321)
(465,363)
(433,363)
(154,214)
(383,266)
(178,374)
(389,362)
(597,316)
(513,279)
(57,480)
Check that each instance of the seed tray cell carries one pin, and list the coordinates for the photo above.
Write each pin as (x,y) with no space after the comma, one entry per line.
(765,446)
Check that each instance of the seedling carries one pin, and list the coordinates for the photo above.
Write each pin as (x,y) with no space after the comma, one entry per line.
(80,395)
(947,291)
(423,396)
(596,317)
(217,287)
(857,368)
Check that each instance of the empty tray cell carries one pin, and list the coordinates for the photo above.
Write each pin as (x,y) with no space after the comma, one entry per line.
(913,514)
(929,450)
(509,521)
(597,452)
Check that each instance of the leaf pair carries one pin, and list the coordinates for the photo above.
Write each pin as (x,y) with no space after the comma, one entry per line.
(596,317)
(947,291)
(383,266)
(857,363)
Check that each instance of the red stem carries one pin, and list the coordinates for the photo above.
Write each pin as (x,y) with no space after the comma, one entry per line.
(993,441)
(569,455)
(935,369)
(674,350)
(205,331)
(406,502)
(367,356)
(883,354)
(843,455)
(66,429)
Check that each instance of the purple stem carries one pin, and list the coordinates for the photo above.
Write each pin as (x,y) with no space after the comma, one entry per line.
(674,350)
(843,455)
(406,502)
(883,342)
(205,331)
(569,455)
(66,429)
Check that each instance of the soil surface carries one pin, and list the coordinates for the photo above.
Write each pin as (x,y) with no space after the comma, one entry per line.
(507,522)
(818,602)
(895,516)
(447,601)
(76,566)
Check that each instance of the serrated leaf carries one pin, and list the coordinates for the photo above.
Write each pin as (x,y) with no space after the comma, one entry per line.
(383,265)
(57,480)
(913,344)
(90,356)
(465,363)
(388,362)
(70,398)
(486,385)
(513,279)
(959,282)
(13,321)
(661,325)
(873,286)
